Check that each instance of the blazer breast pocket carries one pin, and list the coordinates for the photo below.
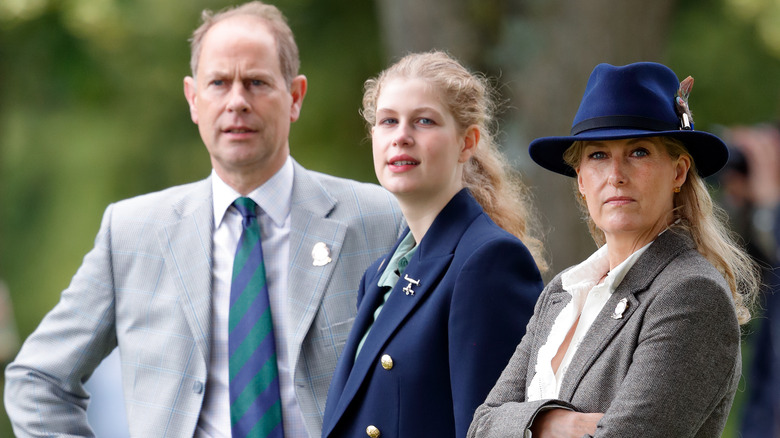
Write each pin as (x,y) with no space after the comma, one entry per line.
(338,332)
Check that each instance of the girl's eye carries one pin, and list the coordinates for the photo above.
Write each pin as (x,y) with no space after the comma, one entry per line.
(388,121)
(427,121)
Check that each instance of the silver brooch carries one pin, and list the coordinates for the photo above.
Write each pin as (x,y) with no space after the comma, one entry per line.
(408,287)
(321,254)
(621,307)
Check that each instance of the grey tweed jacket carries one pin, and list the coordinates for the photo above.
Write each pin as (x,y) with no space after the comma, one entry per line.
(668,367)
(146,288)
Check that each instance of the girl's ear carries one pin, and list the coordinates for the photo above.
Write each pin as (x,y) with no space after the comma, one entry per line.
(470,141)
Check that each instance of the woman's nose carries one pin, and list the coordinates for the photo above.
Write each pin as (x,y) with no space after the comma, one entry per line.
(403,137)
(617,175)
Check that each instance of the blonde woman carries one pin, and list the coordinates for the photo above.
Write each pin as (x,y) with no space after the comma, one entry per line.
(440,315)
(642,338)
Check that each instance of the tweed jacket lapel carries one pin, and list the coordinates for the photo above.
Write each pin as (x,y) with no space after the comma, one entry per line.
(428,265)
(552,306)
(665,248)
(309,225)
(186,245)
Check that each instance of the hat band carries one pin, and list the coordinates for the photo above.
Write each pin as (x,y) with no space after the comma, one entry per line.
(623,122)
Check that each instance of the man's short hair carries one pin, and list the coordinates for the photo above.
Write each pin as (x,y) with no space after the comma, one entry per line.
(289,60)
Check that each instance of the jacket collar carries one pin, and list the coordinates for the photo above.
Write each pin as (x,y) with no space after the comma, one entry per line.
(427,266)
(668,246)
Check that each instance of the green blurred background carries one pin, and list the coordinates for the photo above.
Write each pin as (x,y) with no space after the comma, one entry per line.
(92,109)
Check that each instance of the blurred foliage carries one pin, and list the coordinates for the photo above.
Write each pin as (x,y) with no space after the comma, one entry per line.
(764,16)
(92,109)
(737,75)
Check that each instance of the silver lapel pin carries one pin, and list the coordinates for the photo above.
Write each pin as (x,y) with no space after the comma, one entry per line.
(321,254)
(621,307)
(408,287)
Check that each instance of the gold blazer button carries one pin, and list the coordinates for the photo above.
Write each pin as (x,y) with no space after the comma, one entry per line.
(373,432)
(387,363)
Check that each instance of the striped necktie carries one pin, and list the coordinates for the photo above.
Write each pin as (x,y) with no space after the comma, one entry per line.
(255,404)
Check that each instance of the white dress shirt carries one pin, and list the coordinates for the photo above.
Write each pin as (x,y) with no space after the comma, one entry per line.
(273,199)
(588,297)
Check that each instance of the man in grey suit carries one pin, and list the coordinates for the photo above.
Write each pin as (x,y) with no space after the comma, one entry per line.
(157,283)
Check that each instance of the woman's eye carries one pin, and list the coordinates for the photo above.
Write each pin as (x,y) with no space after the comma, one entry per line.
(598,155)
(388,121)
(641,152)
(427,121)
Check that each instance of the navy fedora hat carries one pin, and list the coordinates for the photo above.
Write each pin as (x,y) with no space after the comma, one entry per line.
(631,101)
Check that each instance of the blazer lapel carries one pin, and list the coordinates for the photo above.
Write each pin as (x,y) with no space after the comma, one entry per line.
(373,296)
(605,328)
(552,306)
(187,248)
(428,265)
(363,320)
(309,226)
(395,311)
(600,334)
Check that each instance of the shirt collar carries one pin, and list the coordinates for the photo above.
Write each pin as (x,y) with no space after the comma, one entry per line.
(273,197)
(588,273)
(399,261)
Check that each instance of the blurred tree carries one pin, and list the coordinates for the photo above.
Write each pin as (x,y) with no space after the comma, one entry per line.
(763,16)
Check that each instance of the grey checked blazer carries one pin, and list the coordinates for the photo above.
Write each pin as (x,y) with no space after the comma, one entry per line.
(668,368)
(146,287)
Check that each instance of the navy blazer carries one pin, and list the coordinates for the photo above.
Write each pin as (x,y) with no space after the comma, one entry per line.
(433,355)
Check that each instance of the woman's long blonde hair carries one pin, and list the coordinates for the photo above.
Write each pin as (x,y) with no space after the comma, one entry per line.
(470,99)
(707,224)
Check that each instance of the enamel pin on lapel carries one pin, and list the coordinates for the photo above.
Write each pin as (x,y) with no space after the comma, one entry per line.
(408,287)
(621,307)
(321,254)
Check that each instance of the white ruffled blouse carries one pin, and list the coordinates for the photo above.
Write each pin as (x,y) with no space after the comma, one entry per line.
(588,298)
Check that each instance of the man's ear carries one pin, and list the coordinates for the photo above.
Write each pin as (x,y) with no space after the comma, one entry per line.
(298,92)
(191,94)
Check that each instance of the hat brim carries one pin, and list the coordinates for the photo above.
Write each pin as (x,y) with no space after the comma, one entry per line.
(708,151)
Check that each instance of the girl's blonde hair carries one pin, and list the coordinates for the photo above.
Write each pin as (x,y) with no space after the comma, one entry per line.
(470,99)
(705,221)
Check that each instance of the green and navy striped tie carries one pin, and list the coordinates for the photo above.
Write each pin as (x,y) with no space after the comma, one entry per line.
(255,404)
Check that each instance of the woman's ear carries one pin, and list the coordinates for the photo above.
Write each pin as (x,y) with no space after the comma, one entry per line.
(681,168)
(470,141)
(580,186)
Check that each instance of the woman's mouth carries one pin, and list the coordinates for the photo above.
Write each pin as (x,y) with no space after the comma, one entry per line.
(402,163)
